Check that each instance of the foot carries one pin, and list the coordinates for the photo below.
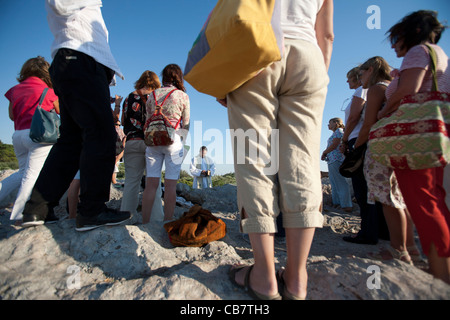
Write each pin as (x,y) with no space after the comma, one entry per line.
(240,276)
(283,288)
(108,217)
(32,220)
(414,253)
(390,254)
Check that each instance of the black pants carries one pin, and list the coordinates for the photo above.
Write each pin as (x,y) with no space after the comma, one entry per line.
(373,223)
(87,136)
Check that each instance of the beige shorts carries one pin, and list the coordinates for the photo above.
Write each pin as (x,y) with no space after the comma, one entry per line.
(275,121)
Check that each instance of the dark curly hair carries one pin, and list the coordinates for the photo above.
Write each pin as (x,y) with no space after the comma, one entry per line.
(416,28)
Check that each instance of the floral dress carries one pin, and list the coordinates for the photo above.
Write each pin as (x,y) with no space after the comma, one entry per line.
(382,185)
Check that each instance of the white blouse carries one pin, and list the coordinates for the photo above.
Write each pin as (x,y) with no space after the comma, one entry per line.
(79,25)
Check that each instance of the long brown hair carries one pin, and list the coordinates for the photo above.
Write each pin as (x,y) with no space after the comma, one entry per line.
(36,67)
(172,74)
(381,70)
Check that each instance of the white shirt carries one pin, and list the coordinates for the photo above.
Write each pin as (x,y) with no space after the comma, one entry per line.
(362,94)
(79,25)
(298,19)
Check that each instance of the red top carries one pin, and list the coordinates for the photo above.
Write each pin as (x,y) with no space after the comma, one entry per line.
(24,98)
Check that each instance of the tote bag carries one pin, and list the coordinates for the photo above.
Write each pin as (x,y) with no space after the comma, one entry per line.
(238,40)
(44,124)
(416,136)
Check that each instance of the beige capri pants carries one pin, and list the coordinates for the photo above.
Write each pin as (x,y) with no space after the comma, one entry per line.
(277,163)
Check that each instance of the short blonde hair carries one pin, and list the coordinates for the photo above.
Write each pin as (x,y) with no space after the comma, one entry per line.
(339,122)
(353,74)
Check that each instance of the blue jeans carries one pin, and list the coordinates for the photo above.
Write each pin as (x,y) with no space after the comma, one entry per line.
(340,189)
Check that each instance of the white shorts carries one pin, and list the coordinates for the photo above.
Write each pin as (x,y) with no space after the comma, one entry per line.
(172,156)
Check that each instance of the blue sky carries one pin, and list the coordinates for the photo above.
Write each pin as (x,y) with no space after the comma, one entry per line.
(148,34)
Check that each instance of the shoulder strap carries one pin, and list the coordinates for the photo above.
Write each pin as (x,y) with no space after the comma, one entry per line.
(44,92)
(433,58)
(156,101)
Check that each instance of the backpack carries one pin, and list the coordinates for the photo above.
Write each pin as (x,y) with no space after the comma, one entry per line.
(158,131)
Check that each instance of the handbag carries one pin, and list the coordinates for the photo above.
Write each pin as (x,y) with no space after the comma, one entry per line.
(158,130)
(195,228)
(353,162)
(416,136)
(238,40)
(45,124)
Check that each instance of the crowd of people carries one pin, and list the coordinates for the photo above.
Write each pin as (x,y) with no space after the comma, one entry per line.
(288,96)
(409,199)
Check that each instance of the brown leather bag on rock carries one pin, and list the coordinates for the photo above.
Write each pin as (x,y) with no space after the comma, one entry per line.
(195,228)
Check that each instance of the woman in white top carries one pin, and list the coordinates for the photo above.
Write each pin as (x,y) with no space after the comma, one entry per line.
(353,112)
(287,99)
(373,224)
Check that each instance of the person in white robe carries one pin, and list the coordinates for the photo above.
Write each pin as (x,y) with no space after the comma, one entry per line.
(202,169)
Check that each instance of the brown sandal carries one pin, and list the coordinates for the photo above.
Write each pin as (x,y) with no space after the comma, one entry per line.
(283,288)
(246,286)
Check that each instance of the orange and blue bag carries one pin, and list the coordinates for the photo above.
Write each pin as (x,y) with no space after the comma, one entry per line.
(238,40)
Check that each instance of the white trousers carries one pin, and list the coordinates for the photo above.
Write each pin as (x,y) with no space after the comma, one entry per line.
(31,157)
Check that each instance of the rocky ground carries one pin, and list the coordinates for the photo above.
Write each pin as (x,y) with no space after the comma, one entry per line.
(137,261)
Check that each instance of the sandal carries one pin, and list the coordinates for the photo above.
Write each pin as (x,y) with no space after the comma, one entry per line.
(246,286)
(283,288)
(414,253)
(384,254)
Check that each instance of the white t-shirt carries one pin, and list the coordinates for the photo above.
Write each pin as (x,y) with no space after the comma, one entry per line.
(362,94)
(79,25)
(298,19)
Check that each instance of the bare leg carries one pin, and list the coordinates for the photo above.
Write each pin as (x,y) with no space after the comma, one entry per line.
(439,266)
(170,197)
(397,224)
(298,242)
(73,197)
(262,277)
